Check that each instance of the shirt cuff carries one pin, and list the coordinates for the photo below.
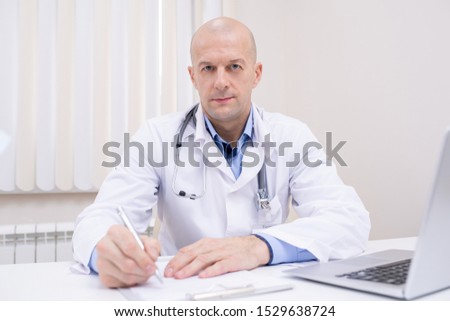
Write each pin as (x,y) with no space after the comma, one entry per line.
(282,252)
(268,246)
(93,260)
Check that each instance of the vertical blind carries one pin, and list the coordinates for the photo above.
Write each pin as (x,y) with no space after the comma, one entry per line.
(76,74)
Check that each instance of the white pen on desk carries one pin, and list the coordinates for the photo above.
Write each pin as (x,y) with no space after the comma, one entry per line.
(130,227)
(221,294)
(228,293)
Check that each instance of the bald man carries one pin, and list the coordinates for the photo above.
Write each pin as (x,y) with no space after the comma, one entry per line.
(222,230)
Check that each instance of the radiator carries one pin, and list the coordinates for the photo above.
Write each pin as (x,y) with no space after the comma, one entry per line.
(36,243)
(42,242)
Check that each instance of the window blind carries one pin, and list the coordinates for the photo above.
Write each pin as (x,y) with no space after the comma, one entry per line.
(76,74)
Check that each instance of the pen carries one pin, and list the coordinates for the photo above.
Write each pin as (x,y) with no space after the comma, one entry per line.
(130,227)
(237,292)
(221,294)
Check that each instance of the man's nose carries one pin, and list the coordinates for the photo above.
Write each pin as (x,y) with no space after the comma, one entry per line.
(221,81)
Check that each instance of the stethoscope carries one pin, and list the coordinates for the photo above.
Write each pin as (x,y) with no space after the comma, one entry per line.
(262,195)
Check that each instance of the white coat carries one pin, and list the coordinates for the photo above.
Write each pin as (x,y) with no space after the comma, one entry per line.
(332,223)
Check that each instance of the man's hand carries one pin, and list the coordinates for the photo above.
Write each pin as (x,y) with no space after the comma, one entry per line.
(210,257)
(121,262)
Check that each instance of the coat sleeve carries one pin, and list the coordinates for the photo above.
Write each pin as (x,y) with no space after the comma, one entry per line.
(333,222)
(133,184)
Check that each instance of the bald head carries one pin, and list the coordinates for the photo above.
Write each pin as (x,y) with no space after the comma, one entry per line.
(224,27)
(224,71)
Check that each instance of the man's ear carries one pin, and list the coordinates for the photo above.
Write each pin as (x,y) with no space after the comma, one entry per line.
(192,75)
(258,74)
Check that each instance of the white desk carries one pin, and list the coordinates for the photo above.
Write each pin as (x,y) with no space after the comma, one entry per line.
(54,281)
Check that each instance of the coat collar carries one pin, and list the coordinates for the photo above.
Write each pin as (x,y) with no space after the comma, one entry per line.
(260,134)
(202,135)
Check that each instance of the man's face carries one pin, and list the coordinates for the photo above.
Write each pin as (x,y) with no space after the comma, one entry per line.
(224,72)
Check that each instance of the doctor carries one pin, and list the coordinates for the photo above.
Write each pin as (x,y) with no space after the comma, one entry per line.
(221,177)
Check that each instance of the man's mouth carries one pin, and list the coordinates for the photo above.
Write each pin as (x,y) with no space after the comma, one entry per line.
(222,100)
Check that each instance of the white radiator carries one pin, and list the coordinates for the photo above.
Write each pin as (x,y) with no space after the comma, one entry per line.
(42,242)
(35,243)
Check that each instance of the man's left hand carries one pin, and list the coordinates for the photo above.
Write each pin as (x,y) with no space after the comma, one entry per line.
(211,257)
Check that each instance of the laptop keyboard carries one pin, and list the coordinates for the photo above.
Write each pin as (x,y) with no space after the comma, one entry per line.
(392,273)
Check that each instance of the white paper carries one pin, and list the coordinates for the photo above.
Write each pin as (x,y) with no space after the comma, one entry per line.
(177,289)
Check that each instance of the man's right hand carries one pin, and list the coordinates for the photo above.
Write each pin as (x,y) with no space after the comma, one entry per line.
(121,262)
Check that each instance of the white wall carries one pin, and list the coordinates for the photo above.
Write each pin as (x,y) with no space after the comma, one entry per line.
(376,73)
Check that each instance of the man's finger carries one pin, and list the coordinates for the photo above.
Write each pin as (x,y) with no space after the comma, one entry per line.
(219,268)
(121,261)
(212,257)
(108,251)
(125,241)
(188,254)
(201,262)
(152,247)
(112,276)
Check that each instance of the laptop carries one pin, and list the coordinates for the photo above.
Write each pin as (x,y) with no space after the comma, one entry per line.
(399,273)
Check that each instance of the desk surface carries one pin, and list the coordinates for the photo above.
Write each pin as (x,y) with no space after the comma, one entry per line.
(55,281)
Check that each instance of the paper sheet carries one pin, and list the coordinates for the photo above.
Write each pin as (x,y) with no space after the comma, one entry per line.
(174,289)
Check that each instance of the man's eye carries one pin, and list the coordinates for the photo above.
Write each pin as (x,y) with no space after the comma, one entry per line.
(235,67)
(208,68)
